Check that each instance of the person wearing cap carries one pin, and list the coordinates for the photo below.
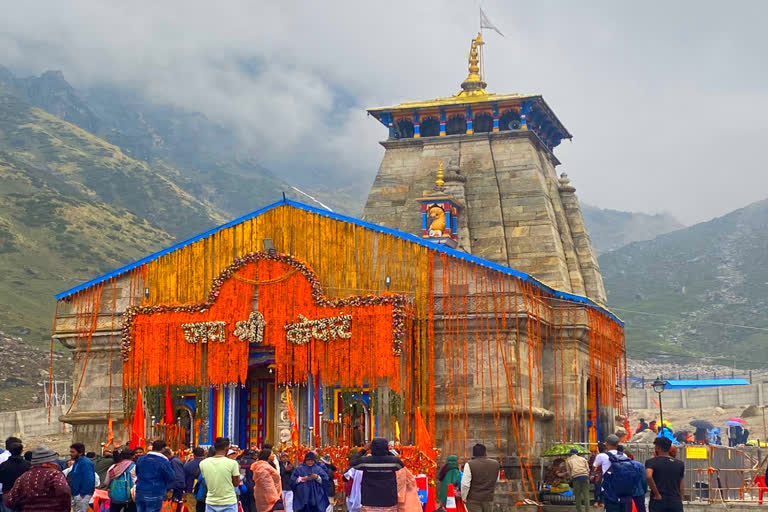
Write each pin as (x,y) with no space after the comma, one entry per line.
(478,482)
(308,482)
(578,472)
(43,488)
(603,462)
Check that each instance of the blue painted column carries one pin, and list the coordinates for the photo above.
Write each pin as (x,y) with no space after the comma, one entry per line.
(442,123)
(468,116)
(495,117)
(416,125)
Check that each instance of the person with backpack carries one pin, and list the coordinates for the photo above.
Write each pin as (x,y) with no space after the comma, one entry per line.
(664,475)
(119,482)
(620,477)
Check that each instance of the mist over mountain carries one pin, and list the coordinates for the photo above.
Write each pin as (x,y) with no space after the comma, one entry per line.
(612,229)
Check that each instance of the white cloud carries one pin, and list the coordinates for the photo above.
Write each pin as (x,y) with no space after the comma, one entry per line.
(666,101)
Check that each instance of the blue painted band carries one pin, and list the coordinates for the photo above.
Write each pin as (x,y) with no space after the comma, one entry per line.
(344,218)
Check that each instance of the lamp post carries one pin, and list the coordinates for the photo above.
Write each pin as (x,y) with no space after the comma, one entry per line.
(658,386)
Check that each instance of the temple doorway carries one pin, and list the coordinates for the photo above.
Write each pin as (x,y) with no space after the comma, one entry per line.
(261,394)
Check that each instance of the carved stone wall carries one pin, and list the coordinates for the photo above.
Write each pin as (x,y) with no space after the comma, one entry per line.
(514,212)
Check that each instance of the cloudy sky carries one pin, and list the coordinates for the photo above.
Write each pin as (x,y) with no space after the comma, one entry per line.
(666,100)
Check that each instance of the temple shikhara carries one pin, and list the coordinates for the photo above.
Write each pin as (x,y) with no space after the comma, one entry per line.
(466,306)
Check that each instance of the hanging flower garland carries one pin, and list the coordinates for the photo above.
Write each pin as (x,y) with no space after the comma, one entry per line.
(399,303)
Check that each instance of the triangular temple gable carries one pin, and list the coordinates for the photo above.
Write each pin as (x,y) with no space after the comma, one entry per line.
(273,300)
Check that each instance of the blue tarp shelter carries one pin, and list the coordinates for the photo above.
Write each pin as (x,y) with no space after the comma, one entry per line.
(704,383)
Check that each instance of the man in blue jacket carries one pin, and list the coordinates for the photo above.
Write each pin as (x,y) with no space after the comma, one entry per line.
(82,478)
(154,475)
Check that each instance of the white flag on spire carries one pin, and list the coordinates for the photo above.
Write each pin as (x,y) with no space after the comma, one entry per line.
(486,23)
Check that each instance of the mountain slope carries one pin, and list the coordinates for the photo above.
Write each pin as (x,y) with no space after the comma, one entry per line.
(612,229)
(73,206)
(691,282)
(206,159)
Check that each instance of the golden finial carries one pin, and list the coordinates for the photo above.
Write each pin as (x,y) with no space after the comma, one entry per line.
(439,181)
(474,85)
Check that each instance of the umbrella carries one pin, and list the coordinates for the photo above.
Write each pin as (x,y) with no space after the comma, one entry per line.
(563,449)
(731,423)
(702,424)
(738,420)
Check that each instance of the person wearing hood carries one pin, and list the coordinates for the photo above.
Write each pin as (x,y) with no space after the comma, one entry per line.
(309,482)
(267,488)
(449,474)
(378,489)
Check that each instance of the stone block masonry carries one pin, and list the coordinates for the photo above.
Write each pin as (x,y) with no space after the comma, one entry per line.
(518,213)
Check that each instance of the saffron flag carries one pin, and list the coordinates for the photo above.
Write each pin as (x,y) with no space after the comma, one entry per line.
(423,437)
(486,23)
(137,429)
(110,433)
(168,406)
(292,417)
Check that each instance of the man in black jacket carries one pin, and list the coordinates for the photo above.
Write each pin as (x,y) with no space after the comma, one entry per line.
(379,485)
(12,468)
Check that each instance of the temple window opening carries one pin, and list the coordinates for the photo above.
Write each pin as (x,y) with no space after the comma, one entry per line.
(483,122)
(404,129)
(457,124)
(510,120)
(430,127)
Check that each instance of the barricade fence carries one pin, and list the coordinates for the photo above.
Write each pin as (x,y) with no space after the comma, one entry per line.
(713,474)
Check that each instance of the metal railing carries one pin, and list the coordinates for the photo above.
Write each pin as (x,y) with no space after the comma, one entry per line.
(713,474)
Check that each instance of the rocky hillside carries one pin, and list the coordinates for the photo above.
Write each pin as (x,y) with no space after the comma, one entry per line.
(25,372)
(696,287)
(73,206)
(612,229)
(205,159)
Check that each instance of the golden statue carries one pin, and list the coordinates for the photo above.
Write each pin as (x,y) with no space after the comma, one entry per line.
(437,216)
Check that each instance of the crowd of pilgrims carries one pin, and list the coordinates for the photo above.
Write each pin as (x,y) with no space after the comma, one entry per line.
(220,479)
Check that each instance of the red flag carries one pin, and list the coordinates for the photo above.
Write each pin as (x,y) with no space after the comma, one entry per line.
(423,437)
(292,417)
(168,406)
(137,429)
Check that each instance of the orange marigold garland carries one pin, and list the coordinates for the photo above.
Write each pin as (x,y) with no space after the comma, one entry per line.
(156,351)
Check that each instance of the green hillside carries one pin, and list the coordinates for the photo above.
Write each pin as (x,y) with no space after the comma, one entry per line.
(693,281)
(73,206)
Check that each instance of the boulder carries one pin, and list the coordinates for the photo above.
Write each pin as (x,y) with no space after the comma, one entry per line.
(719,410)
(750,412)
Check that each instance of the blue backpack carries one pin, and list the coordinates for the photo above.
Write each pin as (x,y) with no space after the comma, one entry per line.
(622,478)
(201,490)
(120,487)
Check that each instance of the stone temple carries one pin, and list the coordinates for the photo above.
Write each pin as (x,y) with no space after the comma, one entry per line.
(498,154)
(466,306)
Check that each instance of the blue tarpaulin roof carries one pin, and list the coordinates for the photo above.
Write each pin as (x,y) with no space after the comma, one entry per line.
(704,383)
